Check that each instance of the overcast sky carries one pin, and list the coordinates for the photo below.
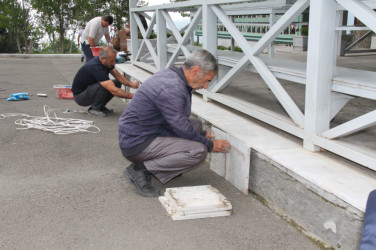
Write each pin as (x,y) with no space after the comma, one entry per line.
(176,17)
(156,2)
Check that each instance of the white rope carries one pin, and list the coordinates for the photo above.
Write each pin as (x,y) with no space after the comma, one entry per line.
(52,123)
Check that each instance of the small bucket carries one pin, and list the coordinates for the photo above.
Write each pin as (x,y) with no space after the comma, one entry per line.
(64,91)
(96,50)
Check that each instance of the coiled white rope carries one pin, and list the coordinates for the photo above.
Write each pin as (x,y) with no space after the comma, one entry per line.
(52,123)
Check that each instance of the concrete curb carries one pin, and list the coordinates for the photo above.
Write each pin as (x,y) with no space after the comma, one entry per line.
(38,55)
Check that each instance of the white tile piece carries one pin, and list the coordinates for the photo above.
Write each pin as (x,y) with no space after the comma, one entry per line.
(218,164)
(234,166)
(195,202)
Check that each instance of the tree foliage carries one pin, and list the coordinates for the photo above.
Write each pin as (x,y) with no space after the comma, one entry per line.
(17,32)
(59,12)
(56,21)
(47,48)
(119,9)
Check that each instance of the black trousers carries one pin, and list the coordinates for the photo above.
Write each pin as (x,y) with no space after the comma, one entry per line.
(87,51)
(95,95)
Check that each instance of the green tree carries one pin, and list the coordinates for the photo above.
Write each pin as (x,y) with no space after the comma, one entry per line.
(60,16)
(54,20)
(17,32)
(84,10)
(6,32)
(47,48)
(55,11)
(119,9)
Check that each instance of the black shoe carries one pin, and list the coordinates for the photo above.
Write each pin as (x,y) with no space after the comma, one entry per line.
(82,59)
(142,181)
(95,112)
(107,111)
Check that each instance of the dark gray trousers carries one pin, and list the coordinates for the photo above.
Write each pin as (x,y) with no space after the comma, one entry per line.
(368,241)
(167,157)
(95,95)
(87,51)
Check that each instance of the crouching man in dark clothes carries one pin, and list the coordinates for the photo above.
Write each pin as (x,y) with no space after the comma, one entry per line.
(92,85)
(155,131)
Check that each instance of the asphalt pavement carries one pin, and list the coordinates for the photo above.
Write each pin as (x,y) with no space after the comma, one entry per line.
(67,191)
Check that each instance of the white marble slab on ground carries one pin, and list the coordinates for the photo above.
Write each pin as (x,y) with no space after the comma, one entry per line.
(337,181)
(195,202)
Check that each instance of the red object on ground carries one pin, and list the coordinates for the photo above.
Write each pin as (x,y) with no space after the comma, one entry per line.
(64,91)
(96,50)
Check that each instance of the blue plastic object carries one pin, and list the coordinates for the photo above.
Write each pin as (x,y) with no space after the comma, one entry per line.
(120,59)
(19,97)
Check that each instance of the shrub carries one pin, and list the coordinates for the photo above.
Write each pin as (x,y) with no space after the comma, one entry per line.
(304,31)
(221,47)
(238,49)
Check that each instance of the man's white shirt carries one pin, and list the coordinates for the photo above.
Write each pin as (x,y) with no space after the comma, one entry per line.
(95,30)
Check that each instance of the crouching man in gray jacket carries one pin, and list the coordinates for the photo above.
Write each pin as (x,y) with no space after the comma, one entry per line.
(155,131)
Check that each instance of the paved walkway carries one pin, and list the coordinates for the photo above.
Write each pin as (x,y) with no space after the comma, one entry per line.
(67,191)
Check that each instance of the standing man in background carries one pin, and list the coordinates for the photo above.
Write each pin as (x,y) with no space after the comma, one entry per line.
(78,41)
(93,33)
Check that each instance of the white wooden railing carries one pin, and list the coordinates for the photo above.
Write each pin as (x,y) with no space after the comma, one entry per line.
(328,87)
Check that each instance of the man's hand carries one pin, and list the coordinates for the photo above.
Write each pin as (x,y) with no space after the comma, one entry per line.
(221,146)
(91,42)
(209,134)
(134,85)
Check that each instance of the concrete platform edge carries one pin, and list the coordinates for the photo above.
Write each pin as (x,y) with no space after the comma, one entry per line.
(317,212)
(339,226)
(39,55)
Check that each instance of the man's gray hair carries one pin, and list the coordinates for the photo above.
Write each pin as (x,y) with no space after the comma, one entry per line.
(202,58)
(105,50)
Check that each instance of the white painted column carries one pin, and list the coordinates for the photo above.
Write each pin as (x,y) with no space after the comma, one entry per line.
(232,39)
(340,44)
(161,40)
(271,23)
(350,21)
(321,51)
(134,31)
(210,37)
(192,39)
(209,29)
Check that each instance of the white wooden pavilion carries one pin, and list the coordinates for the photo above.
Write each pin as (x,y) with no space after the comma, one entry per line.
(327,88)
